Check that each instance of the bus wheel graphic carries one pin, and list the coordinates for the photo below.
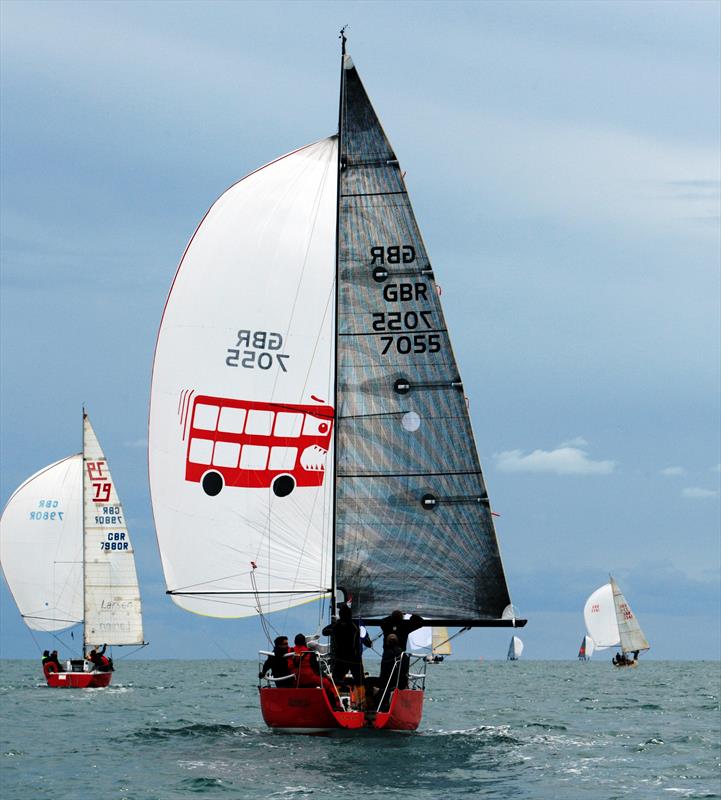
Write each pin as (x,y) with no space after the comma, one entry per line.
(212,483)
(283,485)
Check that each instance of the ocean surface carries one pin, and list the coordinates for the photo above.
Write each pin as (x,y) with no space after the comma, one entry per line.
(181,729)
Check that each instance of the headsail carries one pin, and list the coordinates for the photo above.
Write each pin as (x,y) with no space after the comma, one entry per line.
(41,546)
(599,614)
(585,651)
(414,527)
(241,411)
(441,642)
(630,633)
(112,596)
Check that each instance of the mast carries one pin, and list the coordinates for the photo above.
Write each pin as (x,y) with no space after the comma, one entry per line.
(342,38)
(82,511)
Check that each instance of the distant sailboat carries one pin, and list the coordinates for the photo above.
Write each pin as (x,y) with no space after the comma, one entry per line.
(67,558)
(610,622)
(515,649)
(585,651)
(433,642)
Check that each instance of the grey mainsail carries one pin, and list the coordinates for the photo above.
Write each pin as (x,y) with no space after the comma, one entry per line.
(413,522)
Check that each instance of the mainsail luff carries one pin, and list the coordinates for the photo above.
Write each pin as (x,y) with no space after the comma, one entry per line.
(630,633)
(413,522)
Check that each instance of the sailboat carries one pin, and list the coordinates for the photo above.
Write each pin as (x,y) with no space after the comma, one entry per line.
(68,560)
(585,651)
(434,644)
(515,649)
(610,622)
(309,437)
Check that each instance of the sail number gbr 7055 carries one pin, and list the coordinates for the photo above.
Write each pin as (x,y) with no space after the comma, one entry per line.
(409,331)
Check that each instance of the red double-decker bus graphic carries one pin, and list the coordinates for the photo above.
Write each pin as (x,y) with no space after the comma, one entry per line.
(247,443)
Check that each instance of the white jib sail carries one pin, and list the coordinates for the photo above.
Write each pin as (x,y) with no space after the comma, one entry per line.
(590,647)
(242,394)
(515,648)
(41,546)
(630,632)
(599,614)
(112,596)
(441,642)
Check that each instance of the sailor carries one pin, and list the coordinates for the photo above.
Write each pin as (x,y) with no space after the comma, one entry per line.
(55,661)
(395,624)
(307,670)
(278,663)
(45,658)
(394,670)
(99,660)
(347,641)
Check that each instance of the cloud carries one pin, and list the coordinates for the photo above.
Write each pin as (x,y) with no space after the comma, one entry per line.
(696,492)
(673,471)
(564,460)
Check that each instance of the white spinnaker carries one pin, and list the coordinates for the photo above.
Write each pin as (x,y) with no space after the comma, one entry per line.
(599,614)
(421,639)
(441,642)
(112,596)
(262,261)
(515,648)
(630,632)
(41,546)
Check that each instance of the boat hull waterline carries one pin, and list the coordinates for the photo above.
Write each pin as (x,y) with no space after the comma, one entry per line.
(309,711)
(78,680)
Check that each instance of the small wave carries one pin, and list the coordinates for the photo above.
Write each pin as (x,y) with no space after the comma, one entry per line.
(545,726)
(488,733)
(199,730)
(202,785)
(293,791)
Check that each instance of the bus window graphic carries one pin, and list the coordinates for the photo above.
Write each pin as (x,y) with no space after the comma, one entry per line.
(246,443)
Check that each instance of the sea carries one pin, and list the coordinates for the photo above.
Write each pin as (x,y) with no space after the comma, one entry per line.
(526,729)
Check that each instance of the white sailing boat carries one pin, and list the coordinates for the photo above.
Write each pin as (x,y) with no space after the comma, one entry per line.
(434,644)
(515,649)
(610,623)
(585,651)
(309,436)
(68,560)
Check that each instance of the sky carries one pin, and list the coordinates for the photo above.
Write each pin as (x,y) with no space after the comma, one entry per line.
(563,163)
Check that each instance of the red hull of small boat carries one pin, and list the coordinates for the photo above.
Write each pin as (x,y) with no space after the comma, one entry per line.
(78,680)
(309,711)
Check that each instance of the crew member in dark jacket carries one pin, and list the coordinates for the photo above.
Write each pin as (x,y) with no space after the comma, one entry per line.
(395,624)
(55,661)
(346,641)
(99,660)
(279,663)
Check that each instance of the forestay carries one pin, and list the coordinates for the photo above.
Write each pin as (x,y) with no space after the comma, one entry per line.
(241,409)
(599,614)
(41,546)
(414,527)
(630,633)
(112,596)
